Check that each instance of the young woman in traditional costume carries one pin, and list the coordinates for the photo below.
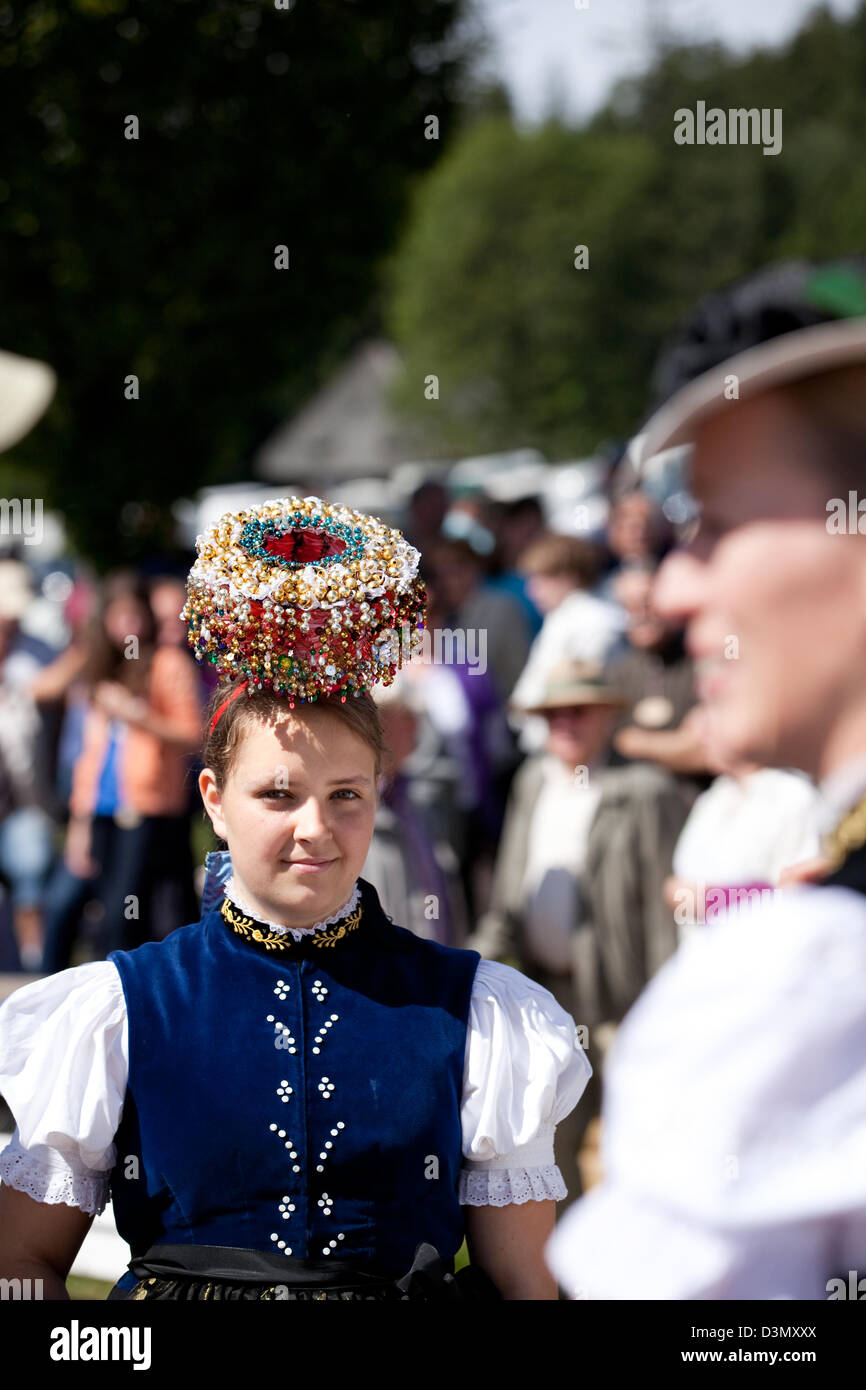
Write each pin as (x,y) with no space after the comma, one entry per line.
(294,1096)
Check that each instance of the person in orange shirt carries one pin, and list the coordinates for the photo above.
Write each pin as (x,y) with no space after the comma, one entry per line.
(129,804)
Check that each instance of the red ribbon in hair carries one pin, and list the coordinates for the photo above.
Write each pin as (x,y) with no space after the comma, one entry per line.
(225,704)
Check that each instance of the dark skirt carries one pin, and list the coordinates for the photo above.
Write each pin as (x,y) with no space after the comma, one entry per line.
(216,1273)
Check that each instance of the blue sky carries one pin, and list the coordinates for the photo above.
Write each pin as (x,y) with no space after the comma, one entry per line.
(541,44)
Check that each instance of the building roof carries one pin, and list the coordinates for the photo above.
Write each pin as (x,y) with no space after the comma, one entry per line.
(346,430)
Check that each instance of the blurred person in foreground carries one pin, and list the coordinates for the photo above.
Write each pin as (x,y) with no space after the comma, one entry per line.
(577,897)
(734,1120)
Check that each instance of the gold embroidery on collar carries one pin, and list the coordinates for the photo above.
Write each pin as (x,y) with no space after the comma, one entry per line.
(248,928)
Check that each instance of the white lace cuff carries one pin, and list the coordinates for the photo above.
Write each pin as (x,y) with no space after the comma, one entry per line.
(499,1187)
(53,1181)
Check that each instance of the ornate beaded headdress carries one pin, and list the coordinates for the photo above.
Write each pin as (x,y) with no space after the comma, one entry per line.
(304,598)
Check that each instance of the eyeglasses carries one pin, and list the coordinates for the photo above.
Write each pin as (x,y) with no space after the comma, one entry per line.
(683,512)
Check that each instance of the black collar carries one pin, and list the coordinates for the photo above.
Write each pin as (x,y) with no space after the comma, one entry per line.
(263,938)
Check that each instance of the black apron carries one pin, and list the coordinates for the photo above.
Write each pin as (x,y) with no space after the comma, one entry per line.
(216,1273)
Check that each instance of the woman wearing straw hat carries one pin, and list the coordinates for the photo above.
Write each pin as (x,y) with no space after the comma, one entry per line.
(293,1096)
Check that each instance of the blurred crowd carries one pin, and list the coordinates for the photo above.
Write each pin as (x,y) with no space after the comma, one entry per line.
(550,797)
(98,743)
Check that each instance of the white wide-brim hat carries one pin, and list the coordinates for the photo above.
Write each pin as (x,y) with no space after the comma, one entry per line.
(26,389)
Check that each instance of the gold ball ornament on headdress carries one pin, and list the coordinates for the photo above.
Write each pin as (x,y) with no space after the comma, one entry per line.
(304,598)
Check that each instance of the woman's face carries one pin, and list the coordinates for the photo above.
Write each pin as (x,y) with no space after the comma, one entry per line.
(297,812)
(124,618)
(166,600)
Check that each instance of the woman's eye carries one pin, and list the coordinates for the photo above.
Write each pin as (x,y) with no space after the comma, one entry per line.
(279,794)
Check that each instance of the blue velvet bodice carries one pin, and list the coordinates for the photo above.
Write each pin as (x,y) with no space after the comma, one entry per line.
(303,1101)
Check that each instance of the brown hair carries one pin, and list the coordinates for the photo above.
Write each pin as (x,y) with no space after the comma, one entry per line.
(105,660)
(560,554)
(220,749)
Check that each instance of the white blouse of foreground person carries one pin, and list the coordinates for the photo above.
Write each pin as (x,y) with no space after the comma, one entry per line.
(64,1061)
(734,1122)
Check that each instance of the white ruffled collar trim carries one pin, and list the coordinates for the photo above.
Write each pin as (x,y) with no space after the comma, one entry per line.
(297,932)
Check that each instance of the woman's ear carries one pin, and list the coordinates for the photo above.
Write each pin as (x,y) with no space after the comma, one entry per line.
(212,798)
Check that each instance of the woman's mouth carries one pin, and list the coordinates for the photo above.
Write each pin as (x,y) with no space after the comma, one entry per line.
(310,866)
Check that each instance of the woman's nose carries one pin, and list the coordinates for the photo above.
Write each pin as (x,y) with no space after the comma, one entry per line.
(310,822)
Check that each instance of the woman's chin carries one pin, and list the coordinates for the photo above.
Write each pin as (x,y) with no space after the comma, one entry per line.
(323,887)
(308,894)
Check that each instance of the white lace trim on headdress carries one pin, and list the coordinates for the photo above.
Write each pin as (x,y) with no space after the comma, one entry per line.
(280,927)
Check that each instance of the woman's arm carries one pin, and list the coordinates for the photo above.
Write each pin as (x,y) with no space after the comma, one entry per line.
(171,710)
(181,731)
(508,1243)
(525,1071)
(52,681)
(39,1240)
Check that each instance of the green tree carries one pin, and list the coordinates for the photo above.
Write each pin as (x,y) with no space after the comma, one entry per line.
(530,351)
(155,257)
(490,294)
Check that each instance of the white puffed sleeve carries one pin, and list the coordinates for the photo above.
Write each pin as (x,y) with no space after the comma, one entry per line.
(525,1071)
(64,1063)
(734,1117)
